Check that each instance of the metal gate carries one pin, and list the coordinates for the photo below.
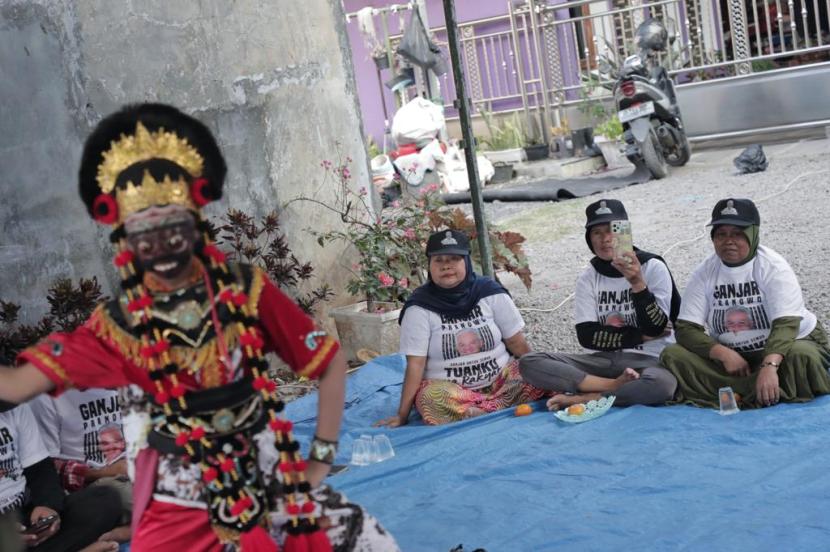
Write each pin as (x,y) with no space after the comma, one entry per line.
(540,55)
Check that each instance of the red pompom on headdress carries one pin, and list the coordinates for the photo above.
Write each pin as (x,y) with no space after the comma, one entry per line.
(104,209)
(200,192)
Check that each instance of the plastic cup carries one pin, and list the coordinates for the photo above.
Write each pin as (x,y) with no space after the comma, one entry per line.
(728,404)
(384,448)
(360,452)
(372,449)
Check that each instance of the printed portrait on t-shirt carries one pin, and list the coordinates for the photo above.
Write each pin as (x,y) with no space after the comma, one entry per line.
(103,441)
(467,345)
(111,441)
(614,319)
(468,342)
(739,319)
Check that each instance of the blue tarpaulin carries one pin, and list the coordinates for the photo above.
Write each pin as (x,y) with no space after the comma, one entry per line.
(637,478)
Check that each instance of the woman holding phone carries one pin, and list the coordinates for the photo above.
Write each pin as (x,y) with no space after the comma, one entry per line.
(30,493)
(625,302)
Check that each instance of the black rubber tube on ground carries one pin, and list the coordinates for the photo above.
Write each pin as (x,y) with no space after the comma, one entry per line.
(556,189)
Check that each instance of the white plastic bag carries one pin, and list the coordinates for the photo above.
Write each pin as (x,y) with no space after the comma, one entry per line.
(418,122)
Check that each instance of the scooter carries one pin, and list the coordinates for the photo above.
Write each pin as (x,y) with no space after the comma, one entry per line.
(647,105)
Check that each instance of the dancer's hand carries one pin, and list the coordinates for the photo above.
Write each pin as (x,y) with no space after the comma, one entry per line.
(316,472)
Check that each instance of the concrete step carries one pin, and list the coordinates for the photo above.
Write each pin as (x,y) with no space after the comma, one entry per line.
(560,168)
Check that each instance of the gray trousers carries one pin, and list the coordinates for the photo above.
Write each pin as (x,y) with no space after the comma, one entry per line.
(564,372)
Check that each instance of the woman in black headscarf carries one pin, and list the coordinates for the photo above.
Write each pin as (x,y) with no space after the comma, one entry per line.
(624,305)
(458,332)
(743,322)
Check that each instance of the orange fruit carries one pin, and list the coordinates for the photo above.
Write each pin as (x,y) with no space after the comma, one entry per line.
(523,410)
(576,409)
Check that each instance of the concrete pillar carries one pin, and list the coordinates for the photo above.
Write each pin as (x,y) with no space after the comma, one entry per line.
(272,79)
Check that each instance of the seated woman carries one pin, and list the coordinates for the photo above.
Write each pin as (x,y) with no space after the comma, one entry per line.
(761,340)
(624,306)
(458,331)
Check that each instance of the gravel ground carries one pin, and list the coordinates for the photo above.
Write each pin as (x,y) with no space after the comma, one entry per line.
(668,218)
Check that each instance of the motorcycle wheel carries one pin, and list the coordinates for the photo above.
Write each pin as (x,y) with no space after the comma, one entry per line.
(653,157)
(684,152)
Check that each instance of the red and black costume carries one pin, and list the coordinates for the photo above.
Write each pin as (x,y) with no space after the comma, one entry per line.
(197,353)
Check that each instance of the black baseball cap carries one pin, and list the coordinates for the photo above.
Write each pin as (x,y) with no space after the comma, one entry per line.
(448,242)
(604,211)
(737,212)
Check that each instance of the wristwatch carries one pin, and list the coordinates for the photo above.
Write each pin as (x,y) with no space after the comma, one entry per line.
(322,450)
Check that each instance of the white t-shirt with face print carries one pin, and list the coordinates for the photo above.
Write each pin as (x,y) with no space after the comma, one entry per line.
(605,300)
(84,426)
(468,350)
(737,305)
(20,447)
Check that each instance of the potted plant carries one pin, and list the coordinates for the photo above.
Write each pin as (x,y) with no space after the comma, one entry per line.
(506,139)
(388,261)
(608,136)
(535,148)
(560,137)
(594,111)
(379,56)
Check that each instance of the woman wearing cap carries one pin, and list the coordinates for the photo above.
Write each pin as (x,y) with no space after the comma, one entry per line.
(623,310)
(743,322)
(216,464)
(458,332)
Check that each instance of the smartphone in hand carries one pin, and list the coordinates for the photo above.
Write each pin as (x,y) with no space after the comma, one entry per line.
(40,525)
(623,242)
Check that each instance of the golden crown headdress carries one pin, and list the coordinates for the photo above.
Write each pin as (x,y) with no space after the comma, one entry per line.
(143,146)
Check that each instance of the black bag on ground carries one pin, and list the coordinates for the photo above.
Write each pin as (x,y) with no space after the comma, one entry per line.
(418,49)
(751,160)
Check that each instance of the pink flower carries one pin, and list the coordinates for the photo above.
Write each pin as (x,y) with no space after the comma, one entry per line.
(409,234)
(385,279)
(396,204)
(403,282)
(363,191)
(345,173)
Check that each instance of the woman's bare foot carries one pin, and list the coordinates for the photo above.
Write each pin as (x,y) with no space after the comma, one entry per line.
(102,546)
(629,374)
(564,401)
(119,534)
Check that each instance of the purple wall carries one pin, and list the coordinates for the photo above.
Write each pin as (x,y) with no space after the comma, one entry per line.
(371,98)
(368,87)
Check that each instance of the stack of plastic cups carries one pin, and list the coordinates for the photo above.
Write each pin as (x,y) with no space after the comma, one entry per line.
(368,450)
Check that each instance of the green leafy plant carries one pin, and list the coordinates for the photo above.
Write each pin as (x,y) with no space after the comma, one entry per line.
(390,261)
(507,133)
(69,307)
(592,106)
(611,128)
(372,149)
(263,243)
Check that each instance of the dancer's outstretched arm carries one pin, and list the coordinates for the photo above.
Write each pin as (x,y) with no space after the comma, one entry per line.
(18,385)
